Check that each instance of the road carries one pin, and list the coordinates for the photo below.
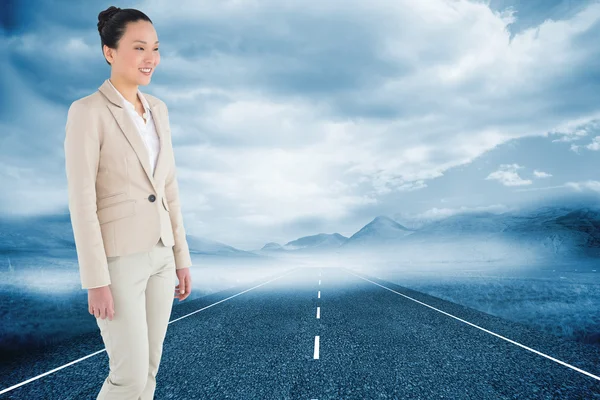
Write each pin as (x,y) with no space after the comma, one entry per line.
(329,333)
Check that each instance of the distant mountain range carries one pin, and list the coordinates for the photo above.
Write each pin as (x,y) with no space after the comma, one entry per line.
(40,234)
(36,233)
(319,242)
(210,247)
(556,232)
(553,232)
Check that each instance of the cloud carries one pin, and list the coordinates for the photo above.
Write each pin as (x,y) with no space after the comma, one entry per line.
(576,129)
(440,213)
(573,186)
(595,145)
(591,185)
(288,110)
(541,174)
(413,108)
(508,176)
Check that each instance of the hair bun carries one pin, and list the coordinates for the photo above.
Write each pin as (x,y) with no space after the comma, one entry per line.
(105,16)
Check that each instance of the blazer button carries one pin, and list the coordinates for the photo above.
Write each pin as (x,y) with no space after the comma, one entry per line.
(152,198)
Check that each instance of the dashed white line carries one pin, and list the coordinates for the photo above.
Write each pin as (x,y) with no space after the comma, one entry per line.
(483,329)
(319,295)
(316,355)
(318,312)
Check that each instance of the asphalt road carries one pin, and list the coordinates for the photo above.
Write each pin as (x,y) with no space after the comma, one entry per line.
(328,333)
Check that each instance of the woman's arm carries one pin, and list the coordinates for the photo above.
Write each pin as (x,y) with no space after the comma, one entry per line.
(82,153)
(181,248)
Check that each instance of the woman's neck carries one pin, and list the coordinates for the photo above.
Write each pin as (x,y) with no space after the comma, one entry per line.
(128,92)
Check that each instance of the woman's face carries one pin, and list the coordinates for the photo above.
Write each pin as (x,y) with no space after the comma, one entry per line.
(138,48)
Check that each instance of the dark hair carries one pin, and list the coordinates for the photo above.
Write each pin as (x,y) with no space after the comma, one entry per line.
(112,23)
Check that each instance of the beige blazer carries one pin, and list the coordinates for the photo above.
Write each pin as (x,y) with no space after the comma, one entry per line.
(117,207)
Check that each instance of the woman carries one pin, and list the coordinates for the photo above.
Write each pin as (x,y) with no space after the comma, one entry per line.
(124,205)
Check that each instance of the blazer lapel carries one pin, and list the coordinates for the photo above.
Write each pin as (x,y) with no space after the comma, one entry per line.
(131,133)
(160,161)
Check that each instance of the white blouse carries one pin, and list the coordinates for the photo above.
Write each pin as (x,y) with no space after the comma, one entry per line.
(146,129)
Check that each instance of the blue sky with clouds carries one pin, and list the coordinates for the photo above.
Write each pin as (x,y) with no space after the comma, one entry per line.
(296,118)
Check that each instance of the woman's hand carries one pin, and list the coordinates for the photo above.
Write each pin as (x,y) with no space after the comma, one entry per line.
(183,290)
(100,302)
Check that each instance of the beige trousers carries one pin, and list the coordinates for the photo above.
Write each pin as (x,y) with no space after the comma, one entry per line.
(143,289)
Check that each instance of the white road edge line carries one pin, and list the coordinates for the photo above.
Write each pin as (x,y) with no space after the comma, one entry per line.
(485,330)
(8,389)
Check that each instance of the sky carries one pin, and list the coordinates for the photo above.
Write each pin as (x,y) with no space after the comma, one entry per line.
(303,117)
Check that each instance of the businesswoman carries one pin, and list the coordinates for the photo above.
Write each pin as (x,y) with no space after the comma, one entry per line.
(124,206)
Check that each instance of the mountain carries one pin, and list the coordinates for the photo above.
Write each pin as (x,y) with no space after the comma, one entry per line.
(36,233)
(53,234)
(536,233)
(205,246)
(556,232)
(382,230)
(272,246)
(478,224)
(321,240)
(562,231)
(318,243)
